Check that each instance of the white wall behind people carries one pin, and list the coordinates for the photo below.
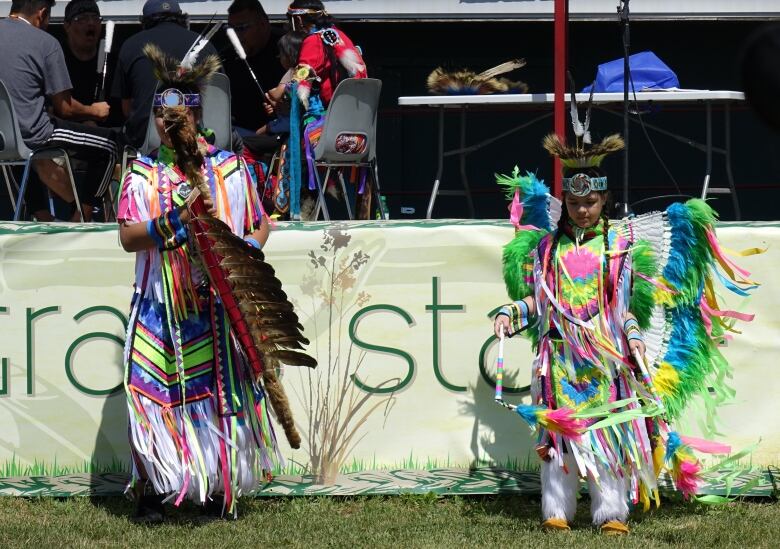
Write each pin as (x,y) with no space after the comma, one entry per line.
(128,10)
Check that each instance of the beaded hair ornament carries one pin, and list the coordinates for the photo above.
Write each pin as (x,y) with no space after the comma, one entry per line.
(296,12)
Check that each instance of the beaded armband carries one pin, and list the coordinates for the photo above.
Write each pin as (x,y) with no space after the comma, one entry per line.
(167,231)
(518,316)
(631,329)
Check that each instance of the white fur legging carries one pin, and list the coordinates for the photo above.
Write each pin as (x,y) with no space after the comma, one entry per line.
(609,498)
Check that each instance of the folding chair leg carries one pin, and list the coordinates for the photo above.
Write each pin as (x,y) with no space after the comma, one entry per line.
(344,192)
(73,187)
(375,178)
(109,202)
(108,207)
(22,189)
(7,177)
(321,196)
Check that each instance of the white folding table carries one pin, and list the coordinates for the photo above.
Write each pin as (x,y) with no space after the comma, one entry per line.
(529,101)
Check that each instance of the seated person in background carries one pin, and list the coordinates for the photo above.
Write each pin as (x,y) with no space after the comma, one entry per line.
(273,187)
(327,54)
(259,40)
(289,49)
(35,74)
(81,48)
(134,83)
(82,34)
(326,58)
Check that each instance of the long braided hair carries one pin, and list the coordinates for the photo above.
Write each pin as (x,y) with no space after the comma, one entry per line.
(177,124)
(184,138)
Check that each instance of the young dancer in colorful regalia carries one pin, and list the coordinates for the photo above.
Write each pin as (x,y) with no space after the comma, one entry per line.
(625,326)
(326,58)
(208,318)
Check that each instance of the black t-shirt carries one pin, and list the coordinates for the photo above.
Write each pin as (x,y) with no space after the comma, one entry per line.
(247,101)
(83,76)
(134,78)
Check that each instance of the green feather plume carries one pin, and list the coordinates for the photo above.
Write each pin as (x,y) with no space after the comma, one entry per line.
(643,262)
(516,260)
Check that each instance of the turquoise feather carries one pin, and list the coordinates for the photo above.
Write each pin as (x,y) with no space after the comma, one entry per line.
(534,194)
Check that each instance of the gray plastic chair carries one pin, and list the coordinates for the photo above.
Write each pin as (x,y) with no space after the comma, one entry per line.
(13,152)
(352,110)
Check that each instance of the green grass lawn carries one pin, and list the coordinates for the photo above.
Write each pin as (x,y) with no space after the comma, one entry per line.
(396,521)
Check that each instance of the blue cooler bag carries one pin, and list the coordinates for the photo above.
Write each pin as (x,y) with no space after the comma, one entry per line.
(647,72)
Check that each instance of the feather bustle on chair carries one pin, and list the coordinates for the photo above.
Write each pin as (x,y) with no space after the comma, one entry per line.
(466,82)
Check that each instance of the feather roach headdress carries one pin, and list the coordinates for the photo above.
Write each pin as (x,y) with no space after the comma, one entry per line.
(466,82)
(582,154)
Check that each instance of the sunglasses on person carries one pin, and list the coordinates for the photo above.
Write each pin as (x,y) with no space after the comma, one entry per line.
(87,18)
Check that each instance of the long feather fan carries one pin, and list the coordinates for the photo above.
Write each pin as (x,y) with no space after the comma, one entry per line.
(262,317)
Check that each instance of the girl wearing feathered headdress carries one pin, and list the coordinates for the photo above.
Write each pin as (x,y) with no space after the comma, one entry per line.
(625,327)
(199,421)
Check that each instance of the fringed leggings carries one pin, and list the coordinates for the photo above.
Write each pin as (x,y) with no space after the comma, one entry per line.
(608,496)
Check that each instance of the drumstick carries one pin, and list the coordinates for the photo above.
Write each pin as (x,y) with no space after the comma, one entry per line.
(105,50)
(242,54)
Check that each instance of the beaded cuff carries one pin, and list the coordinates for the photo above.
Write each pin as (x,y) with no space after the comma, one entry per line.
(518,316)
(167,231)
(631,329)
(252,242)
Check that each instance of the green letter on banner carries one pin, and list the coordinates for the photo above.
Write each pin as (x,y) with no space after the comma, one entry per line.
(379,348)
(483,368)
(4,373)
(29,328)
(435,307)
(93,335)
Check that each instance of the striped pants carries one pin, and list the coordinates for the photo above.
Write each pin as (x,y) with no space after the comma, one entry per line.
(97,148)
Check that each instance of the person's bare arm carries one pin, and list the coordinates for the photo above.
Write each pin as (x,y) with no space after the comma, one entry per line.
(65,106)
(134,238)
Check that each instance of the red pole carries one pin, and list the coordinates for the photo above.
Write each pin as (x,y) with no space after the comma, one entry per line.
(561,44)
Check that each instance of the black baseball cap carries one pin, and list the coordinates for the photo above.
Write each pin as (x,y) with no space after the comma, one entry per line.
(159,7)
(78,7)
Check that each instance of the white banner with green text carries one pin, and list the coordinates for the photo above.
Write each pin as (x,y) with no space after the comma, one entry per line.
(398,314)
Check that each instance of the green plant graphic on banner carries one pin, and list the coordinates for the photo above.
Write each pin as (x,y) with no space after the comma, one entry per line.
(336,408)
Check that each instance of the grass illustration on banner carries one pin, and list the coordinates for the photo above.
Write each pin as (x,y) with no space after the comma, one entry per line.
(336,408)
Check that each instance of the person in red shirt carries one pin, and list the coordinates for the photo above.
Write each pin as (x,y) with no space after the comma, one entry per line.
(327,57)
(327,54)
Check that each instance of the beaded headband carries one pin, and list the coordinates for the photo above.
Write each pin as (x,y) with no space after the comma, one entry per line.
(582,184)
(304,11)
(176,98)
